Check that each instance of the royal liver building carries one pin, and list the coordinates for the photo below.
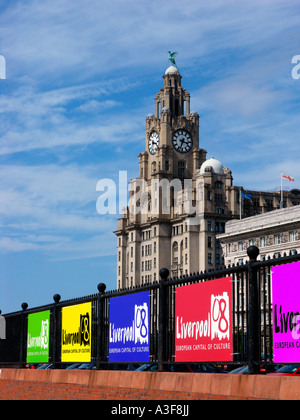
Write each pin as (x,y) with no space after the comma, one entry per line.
(181,200)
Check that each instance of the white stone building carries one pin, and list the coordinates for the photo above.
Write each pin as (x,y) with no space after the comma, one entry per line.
(276,233)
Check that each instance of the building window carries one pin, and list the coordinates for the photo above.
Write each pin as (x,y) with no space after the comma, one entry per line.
(209,241)
(166,165)
(186,242)
(209,226)
(241,246)
(277,239)
(186,258)
(175,253)
(148,249)
(220,226)
(292,236)
(181,168)
(218,198)
(209,258)
(154,247)
(263,241)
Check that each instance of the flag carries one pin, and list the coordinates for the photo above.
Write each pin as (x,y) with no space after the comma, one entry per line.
(289,178)
(246,196)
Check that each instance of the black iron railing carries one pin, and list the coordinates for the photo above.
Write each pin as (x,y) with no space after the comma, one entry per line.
(251,318)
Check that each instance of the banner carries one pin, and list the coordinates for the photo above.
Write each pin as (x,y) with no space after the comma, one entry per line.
(203,322)
(76,341)
(129,332)
(286,313)
(38,337)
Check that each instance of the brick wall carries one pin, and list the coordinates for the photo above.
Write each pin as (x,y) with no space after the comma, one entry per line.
(120,385)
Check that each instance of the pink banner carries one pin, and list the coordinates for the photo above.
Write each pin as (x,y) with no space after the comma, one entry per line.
(286,313)
(203,321)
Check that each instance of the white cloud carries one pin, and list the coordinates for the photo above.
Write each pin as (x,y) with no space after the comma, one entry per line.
(37,120)
(53,209)
(80,39)
(94,105)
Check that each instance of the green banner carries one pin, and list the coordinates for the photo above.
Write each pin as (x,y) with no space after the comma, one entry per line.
(38,337)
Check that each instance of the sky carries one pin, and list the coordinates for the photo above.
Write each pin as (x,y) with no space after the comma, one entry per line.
(81,77)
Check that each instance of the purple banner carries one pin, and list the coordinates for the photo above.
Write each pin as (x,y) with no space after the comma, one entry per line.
(129,328)
(286,313)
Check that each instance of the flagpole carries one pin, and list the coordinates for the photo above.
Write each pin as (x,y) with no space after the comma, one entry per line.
(281,194)
(240,203)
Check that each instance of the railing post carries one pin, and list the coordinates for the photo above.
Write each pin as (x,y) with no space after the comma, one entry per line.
(24,306)
(2,327)
(101,288)
(253,329)
(164,273)
(56,299)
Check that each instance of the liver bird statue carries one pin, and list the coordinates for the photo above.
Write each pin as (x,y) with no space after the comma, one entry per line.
(171,56)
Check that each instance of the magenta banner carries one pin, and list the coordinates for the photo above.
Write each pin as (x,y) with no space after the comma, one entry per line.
(286,313)
(203,321)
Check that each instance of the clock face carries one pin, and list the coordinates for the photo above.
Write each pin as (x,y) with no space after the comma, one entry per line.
(182,141)
(153,142)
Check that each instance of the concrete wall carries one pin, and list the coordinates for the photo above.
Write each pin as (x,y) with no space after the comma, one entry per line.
(125,385)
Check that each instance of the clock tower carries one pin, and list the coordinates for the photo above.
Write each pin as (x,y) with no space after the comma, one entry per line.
(172,133)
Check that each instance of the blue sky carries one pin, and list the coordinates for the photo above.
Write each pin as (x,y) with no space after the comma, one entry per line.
(80,80)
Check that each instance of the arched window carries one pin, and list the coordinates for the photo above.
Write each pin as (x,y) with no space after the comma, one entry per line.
(219,184)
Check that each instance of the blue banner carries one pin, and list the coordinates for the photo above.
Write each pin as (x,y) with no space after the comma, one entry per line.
(129,328)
